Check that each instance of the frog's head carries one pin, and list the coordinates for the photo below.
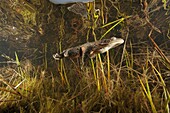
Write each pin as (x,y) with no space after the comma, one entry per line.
(112,43)
(115,42)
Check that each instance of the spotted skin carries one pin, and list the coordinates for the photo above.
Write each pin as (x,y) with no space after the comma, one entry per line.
(89,49)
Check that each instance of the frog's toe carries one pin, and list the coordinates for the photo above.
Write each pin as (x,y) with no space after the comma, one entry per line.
(56,56)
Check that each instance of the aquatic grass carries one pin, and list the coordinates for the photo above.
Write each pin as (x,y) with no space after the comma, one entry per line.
(166,92)
(17,60)
(116,22)
(158,49)
(16,88)
(96,77)
(147,92)
(103,3)
(129,60)
(98,70)
(99,65)
(108,66)
(45,56)
(139,79)
(103,74)
(122,56)
(61,64)
(19,65)
(146,83)
(164,4)
(61,67)
(168,33)
(61,70)
(132,59)
(45,93)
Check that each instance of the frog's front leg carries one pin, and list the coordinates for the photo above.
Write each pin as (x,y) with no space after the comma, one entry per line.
(85,54)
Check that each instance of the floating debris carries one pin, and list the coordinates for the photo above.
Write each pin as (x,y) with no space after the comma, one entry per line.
(79,8)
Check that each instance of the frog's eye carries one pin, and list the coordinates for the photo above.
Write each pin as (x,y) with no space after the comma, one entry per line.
(113,38)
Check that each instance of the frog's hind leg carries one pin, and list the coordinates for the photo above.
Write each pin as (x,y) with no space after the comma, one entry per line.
(58,56)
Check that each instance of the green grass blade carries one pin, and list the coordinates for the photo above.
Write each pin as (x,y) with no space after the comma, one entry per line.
(148,94)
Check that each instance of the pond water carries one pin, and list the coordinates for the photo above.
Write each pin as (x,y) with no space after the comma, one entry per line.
(137,71)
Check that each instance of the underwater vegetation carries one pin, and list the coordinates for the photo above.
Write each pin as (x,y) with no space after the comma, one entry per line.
(134,77)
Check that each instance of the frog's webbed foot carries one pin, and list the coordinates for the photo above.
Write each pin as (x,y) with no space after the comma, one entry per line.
(58,56)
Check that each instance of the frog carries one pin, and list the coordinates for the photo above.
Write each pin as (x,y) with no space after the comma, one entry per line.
(89,50)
